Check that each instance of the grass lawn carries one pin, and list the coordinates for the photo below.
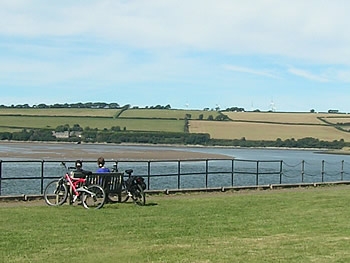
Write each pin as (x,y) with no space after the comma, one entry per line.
(295,225)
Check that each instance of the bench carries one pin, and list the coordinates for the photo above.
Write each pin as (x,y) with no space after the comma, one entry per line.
(110,182)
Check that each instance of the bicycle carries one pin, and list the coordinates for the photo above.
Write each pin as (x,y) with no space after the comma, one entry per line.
(57,191)
(133,187)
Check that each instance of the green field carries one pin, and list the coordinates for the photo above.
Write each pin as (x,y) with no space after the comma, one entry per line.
(132,119)
(61,112)
(294,225)
(164,113)
(48,122)
(254,126)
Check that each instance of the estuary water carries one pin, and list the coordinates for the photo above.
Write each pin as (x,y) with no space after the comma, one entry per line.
(274,166)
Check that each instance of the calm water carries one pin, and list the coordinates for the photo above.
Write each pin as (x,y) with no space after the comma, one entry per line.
(298,166)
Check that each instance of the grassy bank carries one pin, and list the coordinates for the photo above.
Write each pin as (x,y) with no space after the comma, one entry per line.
(300,225)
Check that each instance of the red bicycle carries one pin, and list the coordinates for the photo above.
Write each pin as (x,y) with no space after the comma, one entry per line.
(57,191)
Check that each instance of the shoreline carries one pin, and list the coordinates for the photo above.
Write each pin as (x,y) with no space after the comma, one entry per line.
(85,151)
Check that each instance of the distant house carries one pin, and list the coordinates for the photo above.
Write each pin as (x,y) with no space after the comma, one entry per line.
(66,134)
(333,111)
(61,135)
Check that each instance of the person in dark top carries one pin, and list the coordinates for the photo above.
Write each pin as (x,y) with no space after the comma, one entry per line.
(79,165)
(79,172)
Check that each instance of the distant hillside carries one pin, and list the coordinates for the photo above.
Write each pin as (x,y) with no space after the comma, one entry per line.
(254,126)
(167,120)
(273,126)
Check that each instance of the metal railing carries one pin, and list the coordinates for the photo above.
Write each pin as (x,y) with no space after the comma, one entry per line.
(31,176)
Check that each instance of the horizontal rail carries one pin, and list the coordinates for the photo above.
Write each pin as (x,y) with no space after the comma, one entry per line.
(31,176)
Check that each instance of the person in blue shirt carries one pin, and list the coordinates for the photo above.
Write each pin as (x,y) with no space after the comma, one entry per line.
(101,166)
(102,169)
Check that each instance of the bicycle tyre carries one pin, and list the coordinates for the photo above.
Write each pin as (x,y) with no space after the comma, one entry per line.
(124,196)
(113,198)
(139,196)
(95,201)
(56,193)
(119,197)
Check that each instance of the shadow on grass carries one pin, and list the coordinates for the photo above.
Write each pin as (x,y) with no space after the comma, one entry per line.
(150,204)
(132,203)
(118,205)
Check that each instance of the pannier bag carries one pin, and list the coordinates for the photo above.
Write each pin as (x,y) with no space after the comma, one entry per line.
(134,180)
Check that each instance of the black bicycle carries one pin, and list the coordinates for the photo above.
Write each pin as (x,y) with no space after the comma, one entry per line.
(133,187)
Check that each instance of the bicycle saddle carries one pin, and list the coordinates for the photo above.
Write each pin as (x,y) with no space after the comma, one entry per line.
(129,171)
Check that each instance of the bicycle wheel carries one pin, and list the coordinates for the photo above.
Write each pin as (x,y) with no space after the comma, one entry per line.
(56,193)
(113,198)
(124,196)
(96,199)
(120,196)
(138,195)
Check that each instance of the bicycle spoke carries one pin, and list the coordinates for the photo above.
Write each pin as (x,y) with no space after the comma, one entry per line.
(55,193)
(94,197)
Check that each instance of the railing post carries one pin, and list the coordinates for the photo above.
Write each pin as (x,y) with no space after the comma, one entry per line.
(206,172)
(42,177)
(281,171)
(0,174)
(257,173)
(342,171)
(232,171)
(322,173)
(148,174)
(302,170)
(178,173)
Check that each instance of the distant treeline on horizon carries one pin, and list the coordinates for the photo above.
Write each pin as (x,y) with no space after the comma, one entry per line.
(100,105)
(115,105)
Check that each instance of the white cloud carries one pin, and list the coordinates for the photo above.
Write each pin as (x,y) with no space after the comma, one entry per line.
(343,75)
(141,47)
(310,30)
(307,75)
(266,73)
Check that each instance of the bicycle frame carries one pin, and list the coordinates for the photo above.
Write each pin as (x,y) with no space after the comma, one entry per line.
(57,191)
(74,183)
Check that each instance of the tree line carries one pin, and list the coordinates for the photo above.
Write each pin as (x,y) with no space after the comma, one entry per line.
(100,105)
(118,135)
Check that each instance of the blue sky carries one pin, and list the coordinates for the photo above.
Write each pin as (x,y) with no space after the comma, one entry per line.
(255,54)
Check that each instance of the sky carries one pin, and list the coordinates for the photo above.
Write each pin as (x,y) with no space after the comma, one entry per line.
(256,54)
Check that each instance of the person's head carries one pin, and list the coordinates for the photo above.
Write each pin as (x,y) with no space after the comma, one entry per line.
(101,161)
(78,164)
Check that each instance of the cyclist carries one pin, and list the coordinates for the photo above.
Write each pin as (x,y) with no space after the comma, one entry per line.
(102,169)
(79,172)
(79,165)
(101,166)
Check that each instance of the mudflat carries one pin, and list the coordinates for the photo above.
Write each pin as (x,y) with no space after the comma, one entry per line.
(64,151)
